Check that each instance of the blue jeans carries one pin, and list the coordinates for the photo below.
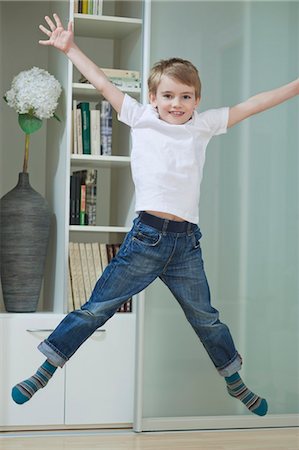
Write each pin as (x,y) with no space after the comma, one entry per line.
(146,254)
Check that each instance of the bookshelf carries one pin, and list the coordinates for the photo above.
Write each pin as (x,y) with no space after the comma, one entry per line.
(107,27)
(114,185)
(100,161)
(87,91)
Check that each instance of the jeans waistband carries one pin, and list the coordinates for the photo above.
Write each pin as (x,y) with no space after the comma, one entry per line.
(165,224)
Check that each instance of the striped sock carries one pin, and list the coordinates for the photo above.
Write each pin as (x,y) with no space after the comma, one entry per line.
(236,388)
(22,392)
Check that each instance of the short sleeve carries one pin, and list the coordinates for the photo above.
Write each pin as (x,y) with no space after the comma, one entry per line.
(213,121)
(130,111)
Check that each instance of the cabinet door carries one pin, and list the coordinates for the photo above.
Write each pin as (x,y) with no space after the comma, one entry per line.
(20,335)
(100,376)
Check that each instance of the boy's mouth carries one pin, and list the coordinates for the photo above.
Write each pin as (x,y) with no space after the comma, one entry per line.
(177,113)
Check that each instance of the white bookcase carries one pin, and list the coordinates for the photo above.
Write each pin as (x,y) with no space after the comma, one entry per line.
(112,40)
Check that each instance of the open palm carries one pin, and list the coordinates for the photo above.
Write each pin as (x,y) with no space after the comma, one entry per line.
(58,36)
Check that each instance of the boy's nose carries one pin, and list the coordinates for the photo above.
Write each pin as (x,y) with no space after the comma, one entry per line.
(176,102)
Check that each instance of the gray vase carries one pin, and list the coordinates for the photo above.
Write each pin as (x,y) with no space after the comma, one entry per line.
(24,234)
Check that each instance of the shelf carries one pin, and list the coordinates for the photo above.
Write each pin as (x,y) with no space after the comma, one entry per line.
(108,27)
(99,229)
(87,90)
(108,162)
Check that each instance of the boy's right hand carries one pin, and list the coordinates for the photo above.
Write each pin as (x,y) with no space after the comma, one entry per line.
(58,37)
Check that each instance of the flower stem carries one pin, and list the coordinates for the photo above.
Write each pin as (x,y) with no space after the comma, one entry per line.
(26,154)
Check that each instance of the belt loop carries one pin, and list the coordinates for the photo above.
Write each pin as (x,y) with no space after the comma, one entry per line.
(189,228)
(165,225)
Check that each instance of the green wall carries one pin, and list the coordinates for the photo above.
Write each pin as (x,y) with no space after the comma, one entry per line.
(249,212)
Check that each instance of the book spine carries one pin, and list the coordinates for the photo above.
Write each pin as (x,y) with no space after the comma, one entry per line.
(75,129)
(91,196)
(83,205)
(72,200)
(85,111)
(84,6)
(85,270)
(90,264)
(74,278)
(106,128)
(95,133)
(97,259)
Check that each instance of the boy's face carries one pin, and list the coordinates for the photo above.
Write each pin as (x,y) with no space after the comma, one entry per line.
(174,101)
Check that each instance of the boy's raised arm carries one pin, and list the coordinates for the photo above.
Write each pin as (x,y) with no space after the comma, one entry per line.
(261,102)
(63,40)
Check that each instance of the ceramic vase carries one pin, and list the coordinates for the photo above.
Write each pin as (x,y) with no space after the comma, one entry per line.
(24,234)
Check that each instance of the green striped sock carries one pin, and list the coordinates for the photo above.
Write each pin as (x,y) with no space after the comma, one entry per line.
(22,392)
(236,388)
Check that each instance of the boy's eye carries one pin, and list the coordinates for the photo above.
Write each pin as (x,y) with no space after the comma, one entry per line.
(187,97)
(168,96)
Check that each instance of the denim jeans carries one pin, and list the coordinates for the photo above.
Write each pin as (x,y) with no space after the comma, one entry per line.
(146,254)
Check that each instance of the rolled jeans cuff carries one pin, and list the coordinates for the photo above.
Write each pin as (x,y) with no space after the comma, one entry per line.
(232,367)
(52,354)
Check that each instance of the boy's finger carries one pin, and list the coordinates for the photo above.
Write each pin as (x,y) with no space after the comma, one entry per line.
(44,42)
(44,30)
(70,26)
(57,20)
(50,23)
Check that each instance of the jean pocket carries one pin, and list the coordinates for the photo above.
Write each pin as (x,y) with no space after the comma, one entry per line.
(196,238)
(147,236)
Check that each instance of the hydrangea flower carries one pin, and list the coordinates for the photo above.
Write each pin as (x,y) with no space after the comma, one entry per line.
(34,95)
(34,92)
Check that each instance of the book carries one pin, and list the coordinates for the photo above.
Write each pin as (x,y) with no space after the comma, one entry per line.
(73,275)
(116,73)
(71,305)
(85,270)
(85,112)
(106,127)
(72,200)
(97,259)
(104,256)
(79,273)
(95,132)
(91,196)
(83,204)
(90,263)
(74,128)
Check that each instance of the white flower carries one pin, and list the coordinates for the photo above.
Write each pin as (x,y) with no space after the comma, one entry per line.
(34,91)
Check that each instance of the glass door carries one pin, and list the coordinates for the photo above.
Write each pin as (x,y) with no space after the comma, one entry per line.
(249,217)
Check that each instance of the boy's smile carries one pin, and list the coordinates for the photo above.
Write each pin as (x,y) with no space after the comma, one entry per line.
(174,101)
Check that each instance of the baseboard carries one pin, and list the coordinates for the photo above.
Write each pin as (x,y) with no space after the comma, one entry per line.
(219,422)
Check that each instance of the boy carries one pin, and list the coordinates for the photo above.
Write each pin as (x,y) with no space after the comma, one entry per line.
(169,139)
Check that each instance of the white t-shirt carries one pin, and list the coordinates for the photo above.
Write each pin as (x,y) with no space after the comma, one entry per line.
(167,160)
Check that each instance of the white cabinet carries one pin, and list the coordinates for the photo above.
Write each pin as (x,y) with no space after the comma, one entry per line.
(20,335)
(95,387)
(100,376)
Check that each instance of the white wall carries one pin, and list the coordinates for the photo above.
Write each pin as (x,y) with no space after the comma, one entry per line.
(19,35)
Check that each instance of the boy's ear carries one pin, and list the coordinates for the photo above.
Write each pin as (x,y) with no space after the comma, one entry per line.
(197,101)
(153,100)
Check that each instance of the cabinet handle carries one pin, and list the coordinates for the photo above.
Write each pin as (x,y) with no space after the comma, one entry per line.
(39,330)
(49,330)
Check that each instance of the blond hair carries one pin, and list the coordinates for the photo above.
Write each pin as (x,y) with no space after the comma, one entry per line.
(178,69)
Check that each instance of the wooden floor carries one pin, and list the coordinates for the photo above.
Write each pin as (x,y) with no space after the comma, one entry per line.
(271,439)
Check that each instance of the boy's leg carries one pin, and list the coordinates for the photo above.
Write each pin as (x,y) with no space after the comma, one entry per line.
(134,267)
(186,279)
